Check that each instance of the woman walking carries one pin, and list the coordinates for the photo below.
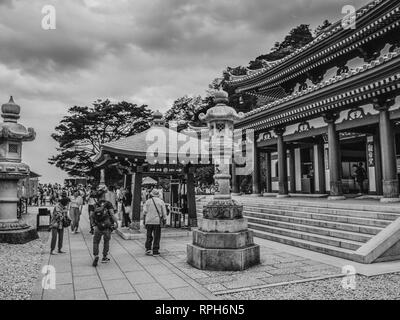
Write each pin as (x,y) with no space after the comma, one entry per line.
(59,215)
(75,209)
(154,216)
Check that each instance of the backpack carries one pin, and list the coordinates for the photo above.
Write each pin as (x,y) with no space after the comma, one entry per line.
(101,217)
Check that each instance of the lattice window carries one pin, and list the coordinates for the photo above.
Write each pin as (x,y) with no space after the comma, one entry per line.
(12,148)
(220,126)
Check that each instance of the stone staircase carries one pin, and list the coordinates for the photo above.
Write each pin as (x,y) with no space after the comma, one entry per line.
(333,228)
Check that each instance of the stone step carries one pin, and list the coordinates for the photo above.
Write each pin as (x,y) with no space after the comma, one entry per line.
(325,231)
(362,205)
(373,224)
(309,245)
(328,240)
(343,212)
(273,213)
(267,207)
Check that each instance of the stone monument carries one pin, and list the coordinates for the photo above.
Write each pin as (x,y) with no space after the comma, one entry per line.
(12,134)
(223,241)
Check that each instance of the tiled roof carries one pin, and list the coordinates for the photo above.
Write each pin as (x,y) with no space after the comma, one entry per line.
(276,104)
(338,27)
(139,144)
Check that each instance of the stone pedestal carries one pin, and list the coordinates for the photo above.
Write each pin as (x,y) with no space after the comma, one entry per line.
(223,241)
(12,134)
(12,230)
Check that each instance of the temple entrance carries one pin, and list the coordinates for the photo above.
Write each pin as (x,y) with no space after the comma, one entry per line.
(353,152)
(307,170)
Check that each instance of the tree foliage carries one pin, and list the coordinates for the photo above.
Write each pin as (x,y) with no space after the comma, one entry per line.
(81,133)
(297,38)
(186,110)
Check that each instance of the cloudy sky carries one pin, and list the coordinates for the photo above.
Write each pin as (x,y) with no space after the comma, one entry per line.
(143,51)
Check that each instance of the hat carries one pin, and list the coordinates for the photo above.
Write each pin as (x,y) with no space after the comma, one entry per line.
(154,193)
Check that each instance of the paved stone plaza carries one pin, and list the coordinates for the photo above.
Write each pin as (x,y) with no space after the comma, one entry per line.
(132,275)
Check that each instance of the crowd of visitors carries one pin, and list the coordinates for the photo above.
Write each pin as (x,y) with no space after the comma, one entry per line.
(108,209)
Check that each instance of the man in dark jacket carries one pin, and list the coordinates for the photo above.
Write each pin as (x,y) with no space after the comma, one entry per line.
(104,223)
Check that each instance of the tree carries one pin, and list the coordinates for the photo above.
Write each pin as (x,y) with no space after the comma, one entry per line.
(186,110)
(322,28)
(297,38)
(81,133)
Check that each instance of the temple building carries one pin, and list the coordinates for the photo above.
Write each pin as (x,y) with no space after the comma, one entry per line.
(327,107)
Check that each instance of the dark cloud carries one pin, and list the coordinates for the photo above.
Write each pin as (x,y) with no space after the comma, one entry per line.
(143,51)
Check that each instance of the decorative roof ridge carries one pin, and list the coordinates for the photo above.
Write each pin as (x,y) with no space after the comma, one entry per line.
(359,13)
(352,72)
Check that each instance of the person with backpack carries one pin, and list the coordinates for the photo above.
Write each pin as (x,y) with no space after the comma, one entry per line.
(154,216)
(104,223)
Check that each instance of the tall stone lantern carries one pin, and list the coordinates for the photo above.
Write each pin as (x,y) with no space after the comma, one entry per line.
(12,134)
(223,241)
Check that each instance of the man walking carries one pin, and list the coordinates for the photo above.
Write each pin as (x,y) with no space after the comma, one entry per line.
(104,223)
(154,215)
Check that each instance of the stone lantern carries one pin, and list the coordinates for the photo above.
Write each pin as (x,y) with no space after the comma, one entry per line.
(223,241)
(12,134)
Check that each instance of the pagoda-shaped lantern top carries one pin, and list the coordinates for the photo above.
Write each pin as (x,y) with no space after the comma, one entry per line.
(158,120)
(220,120)
(12,134)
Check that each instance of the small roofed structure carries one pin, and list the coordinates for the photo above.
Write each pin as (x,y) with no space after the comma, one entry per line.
(157,151)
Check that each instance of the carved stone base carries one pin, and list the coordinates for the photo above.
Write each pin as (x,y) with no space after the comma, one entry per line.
(14,225)
(223,209)
(256,195)
(223,259)
(19,236)
(222,226)
(229,240)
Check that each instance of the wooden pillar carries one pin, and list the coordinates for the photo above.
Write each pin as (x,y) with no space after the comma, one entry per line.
(282,164)
(256,171)
(235,184)
(136,198)
(191,197)
(388,150)
(292,171)
(336,190)
(268,174)
(319,167)
(378,164)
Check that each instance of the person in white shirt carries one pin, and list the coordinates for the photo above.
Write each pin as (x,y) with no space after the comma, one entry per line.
(154,213)
(75,210)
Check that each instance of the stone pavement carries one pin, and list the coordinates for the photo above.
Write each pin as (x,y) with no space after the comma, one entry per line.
(131,275)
